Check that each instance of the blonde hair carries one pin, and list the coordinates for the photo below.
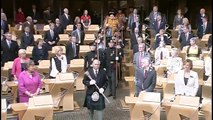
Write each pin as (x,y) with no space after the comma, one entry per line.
(57,49)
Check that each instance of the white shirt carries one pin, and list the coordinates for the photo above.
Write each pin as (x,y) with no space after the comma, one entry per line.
(9,42)
(94,70)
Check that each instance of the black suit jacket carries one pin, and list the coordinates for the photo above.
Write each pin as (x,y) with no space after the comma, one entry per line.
(133,39)
(65,21)
(199,19)
(47,17)
(82,35)
(4,26)
(162,26)
(101,81)
(207,31)
(38,56)
(70,52)
(183,41)
(59,29)
(47,37)
(9,54)
(27,40)
(158,39)
(139,27)
(149,82)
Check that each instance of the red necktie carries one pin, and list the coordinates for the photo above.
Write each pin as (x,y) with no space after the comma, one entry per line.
(145,74)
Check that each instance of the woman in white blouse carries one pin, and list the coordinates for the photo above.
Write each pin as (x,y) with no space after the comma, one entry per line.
(174,63)
(208,65)
(161,53)
(58,63)
(186,81)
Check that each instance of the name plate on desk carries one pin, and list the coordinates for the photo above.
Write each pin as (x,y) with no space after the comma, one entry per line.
(42,100)
(65,77)
(187,101)
(149,97)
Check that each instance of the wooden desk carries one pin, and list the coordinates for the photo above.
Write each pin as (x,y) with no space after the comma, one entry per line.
(20,109)
(183,107)
(64,38)
(131,82)
(89,38)
(69,29)
(44,66)
(83,50)
(77,65)
(130,68)
(29,51)
(62,91)
(92,29)
(3,109)
(146,106)
(37,36)
(14,87)
(5,70)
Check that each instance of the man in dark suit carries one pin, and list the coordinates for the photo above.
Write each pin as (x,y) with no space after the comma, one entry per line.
(9,49)
(113,55)
(65,18)
(200,17)
(161,37)
(72,49)
(30,24)
(145,77)
(48,16)
(51,37)
(132,18)
(79,34)
(96,76)
(34,14)
(137,24)
(90,56)
(204,28)
(4,24)
(159,24)
(27,39)
(134,36)
(185,37)
(135,47)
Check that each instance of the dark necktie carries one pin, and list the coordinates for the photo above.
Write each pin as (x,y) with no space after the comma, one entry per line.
(161,55)
(145,74)
(96,73)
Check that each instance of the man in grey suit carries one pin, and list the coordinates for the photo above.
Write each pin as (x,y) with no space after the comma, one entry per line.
(140,55)
(153,16)
(79,34)
(145,77)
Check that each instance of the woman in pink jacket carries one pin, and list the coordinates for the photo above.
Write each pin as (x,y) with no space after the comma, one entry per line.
(29,82)
(19,64)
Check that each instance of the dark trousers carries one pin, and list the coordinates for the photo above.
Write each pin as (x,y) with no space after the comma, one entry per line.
(112,82)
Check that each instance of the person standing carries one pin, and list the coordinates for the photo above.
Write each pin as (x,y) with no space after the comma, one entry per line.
(97,76)
(65,18)
(29,82)
(145,77)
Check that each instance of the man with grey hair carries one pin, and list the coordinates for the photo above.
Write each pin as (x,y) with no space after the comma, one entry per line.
(145,77)
(9,48)
(30,24)
(65,18)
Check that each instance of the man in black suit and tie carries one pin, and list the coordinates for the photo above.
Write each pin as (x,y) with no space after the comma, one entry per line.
(98,76)
(79,34)
(135,47)
(4,24)
(9,49)
(145,77)
(204,28)
(134,36)
(159,24)
(153,16)
(185,37)
(65,18)
(72,49)
(51,37)
(200,17)
(27,38)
